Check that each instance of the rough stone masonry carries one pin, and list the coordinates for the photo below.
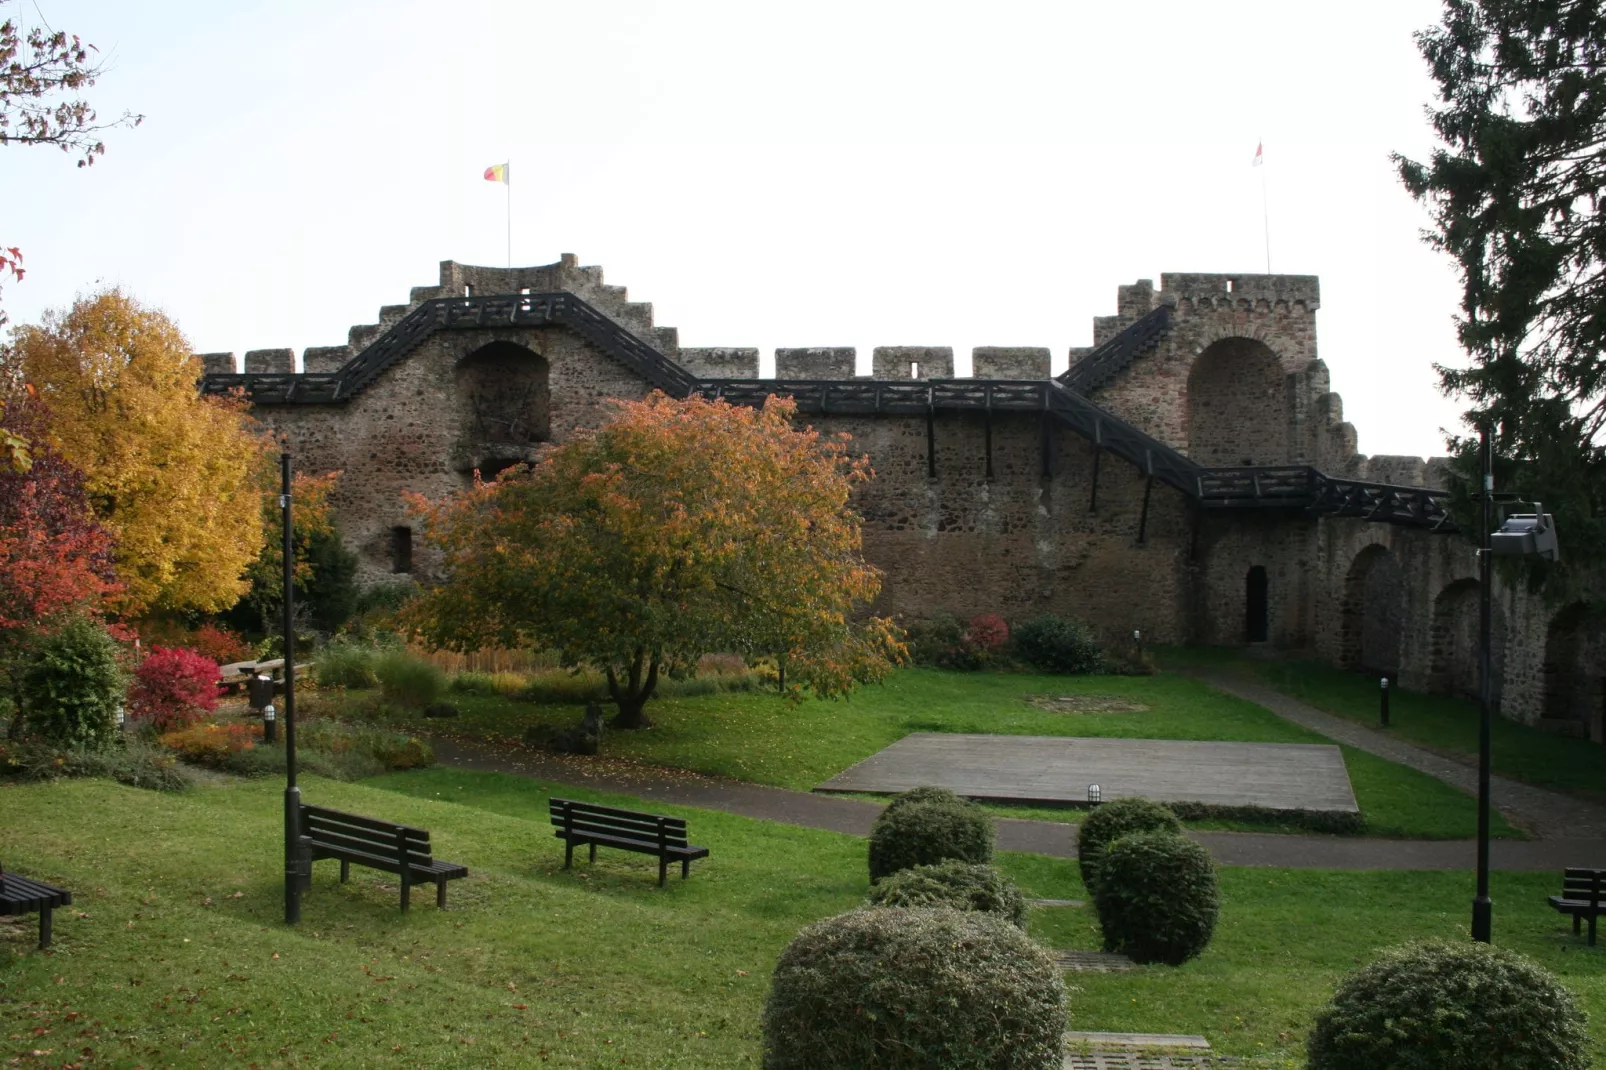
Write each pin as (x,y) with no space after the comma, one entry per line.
(1008,493)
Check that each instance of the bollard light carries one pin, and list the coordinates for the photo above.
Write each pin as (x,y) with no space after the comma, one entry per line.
(270,729)
(1094,794)
(269,713)
(1383,706)
(122,717)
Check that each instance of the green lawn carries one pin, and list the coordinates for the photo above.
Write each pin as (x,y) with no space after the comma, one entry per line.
(1439,722)
(174,953)
(761,738)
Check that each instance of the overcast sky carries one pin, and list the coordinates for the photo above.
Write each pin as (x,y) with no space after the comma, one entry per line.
(766,174)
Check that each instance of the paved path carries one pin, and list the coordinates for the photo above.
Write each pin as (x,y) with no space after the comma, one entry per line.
(854,816)
(1546,814)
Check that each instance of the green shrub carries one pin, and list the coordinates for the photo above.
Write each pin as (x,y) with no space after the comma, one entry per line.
(1057,644)
(132,761)
(345,665)
(1157,897)
(933,827)
(915,989)
(958,885)
(71,683)
(562,687)
(408,680)
(1110,821)
(1438,1006)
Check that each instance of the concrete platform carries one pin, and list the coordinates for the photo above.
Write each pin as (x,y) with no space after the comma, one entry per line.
(1053,769)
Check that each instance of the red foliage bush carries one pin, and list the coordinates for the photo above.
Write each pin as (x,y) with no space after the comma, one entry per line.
(209,640)
(987,632)
(173,688)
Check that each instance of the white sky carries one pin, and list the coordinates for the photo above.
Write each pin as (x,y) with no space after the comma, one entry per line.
(767,174)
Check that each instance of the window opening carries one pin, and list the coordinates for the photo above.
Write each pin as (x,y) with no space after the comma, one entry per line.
(401,549)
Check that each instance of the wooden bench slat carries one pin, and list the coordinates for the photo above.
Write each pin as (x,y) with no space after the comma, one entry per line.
(612,811)
(366,843)
(356,821)
(629,832)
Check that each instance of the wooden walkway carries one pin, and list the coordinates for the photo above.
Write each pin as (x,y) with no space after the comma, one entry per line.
(1278,776)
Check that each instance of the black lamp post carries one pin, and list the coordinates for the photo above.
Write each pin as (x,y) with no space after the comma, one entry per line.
(1521,535)
(292,794)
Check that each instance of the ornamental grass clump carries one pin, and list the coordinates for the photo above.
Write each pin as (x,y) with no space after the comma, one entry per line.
(1110,821)
(408,680)
(914,989)
(1157,897)
(926,826)
(953,884)
(1440,1006)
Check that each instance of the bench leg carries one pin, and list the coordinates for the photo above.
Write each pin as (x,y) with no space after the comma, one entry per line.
(593,852)
(1577,923)
(685,868)
(440,895)
(663,870)
(568,854)
(45,928)
(407,895)
(1592,918)
(345,870)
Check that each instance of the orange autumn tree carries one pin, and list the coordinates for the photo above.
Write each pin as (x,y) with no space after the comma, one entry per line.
(678,529)
(176,478)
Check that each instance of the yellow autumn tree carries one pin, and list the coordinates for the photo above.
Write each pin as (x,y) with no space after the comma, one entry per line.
(177,478)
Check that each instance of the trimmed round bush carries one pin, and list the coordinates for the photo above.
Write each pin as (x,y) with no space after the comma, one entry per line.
(1109,821)
(929,829)
(915,989)
(958,885)
(1157,897)
(924,795)
(71,684)
(1058,644)
(1439,1006)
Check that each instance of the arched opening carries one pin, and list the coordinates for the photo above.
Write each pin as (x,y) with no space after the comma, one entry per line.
(1372,617)
(1453,653)
(1237,405)
(504,396)
(1257,623)
(1574,672)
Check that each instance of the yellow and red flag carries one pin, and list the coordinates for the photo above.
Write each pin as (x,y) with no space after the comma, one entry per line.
(497,172)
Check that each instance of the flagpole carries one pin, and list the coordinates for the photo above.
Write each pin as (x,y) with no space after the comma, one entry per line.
(508,182)
(1265,210)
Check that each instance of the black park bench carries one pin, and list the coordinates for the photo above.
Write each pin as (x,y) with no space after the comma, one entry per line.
(586,823)
(20,895)
(377,844)
(1583,895)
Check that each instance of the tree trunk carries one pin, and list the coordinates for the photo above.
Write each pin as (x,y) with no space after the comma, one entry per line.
(631,694)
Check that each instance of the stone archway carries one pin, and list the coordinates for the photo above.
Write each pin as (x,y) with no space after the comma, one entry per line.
(1238,409)
(1453,649)
(1574,672)
(1372,621)
(504,400)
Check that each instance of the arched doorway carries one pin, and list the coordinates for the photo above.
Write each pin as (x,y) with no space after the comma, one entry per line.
(1574,671)
(1372,621)
(1454,640)
(504,399)
(1238,412)
(1257,603)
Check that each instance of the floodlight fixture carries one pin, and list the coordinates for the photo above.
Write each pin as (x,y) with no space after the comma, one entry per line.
(1527,535)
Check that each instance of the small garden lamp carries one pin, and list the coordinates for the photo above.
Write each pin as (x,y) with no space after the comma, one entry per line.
(270,721)
(1094,794)
(122,717)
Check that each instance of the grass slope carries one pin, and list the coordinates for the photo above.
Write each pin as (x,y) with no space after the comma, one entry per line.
(1442,723)
(764,739)
(174,953)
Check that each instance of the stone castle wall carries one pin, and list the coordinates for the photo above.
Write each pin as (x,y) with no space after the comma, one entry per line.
(1236,381)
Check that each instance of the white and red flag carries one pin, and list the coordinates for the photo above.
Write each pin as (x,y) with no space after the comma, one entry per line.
(1260,154)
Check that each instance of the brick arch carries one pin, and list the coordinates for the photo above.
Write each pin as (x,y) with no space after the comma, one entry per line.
(1372,615)
(1453,652)
(1574,670)
(505,400)
(1238,409)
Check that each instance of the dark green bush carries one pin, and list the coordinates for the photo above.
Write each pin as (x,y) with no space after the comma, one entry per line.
(915,989)
(934,641)
(71,684)
(1109,821)
(959,885)
(933,827)
(408,680)
(1438,1006)
(134,761)
(1055,644)
(1157,897)
(345,665)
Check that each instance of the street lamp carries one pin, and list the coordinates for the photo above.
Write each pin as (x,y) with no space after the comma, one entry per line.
(1521,535)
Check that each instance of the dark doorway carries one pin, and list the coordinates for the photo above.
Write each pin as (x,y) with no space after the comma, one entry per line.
(1257,625)
(401,549)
